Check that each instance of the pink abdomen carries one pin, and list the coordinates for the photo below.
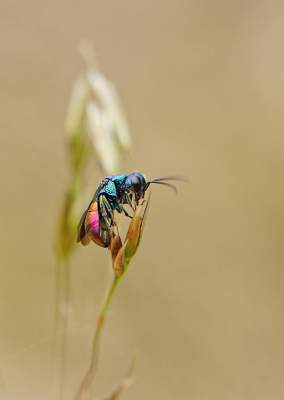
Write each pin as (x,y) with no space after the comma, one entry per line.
(92,224)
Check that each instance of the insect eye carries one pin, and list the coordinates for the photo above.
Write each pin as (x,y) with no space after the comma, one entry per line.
(136,184)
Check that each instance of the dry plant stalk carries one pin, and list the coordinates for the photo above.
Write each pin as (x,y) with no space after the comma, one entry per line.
(121,255)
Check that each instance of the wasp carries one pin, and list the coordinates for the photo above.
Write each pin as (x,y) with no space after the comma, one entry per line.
(113,192)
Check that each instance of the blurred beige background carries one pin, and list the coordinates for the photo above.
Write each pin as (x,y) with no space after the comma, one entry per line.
(202,84)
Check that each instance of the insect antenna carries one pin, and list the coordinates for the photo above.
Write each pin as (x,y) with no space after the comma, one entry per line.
(171,178)
(165,183)
(168,178)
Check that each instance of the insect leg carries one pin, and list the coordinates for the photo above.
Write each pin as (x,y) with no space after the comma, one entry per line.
(106,210)
(128,200)
(125,212)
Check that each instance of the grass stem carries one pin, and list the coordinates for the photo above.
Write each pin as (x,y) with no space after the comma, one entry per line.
(84,392)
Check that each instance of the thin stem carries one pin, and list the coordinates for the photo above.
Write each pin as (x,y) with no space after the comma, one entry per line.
(84,390)
(64,248)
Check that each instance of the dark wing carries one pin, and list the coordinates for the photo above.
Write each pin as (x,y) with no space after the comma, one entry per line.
(101,186)
(82,236)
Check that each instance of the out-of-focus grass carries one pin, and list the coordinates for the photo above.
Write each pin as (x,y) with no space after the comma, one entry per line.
(96,128)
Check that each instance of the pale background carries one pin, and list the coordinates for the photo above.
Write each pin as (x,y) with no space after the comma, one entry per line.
(202,84)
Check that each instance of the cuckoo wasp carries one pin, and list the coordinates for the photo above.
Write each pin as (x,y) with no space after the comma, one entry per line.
(113,192)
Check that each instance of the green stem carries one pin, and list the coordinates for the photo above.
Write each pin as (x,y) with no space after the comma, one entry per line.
(85,388)
(64,248)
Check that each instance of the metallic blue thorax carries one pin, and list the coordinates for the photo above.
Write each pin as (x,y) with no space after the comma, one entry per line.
(112,188)
(119,180)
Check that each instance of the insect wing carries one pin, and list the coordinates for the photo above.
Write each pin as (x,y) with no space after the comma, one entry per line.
(97,192)
(97,229)
(104,232)
(82,235)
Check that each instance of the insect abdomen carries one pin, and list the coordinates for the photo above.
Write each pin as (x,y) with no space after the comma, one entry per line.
(96,228)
